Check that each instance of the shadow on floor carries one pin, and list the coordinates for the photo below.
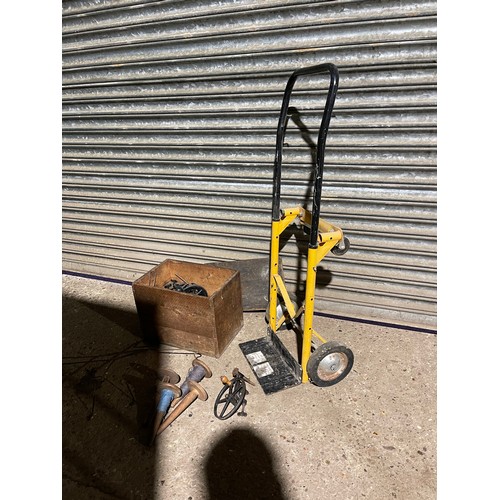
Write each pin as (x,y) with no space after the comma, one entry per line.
(241,466)
(108,400)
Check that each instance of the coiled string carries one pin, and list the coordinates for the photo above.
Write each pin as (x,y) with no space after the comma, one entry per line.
(167,395)
(166,398)
(196,373)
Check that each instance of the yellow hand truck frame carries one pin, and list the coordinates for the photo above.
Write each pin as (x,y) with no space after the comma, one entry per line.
(329,362)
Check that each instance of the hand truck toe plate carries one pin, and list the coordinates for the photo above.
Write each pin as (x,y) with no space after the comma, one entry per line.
(272,364)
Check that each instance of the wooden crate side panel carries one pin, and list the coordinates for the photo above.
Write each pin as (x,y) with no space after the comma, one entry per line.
(176,318)
(228,312)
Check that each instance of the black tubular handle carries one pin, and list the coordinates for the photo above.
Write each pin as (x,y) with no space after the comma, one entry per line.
(320,148)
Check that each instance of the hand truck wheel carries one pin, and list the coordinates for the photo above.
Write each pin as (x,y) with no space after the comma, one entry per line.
(329,364)
(337,250)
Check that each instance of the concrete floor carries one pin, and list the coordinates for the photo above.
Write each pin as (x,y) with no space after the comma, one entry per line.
(371,436)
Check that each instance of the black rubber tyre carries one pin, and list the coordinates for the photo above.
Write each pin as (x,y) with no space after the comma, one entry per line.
(336,250)
(329,364)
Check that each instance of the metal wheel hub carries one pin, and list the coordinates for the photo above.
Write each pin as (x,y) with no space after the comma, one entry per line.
(331,366)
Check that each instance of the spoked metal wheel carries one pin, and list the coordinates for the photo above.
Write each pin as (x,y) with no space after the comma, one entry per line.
(230,399)
(329,364)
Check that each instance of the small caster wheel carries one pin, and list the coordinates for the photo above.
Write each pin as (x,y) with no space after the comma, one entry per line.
(281,309)
(329,364)
(341,250)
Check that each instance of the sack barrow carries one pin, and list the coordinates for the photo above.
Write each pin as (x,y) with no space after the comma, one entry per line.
(322,363)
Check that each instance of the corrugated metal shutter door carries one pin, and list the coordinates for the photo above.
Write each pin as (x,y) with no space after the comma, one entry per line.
(169,118)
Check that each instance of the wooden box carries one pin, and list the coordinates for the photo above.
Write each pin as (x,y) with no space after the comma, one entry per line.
(200,324)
